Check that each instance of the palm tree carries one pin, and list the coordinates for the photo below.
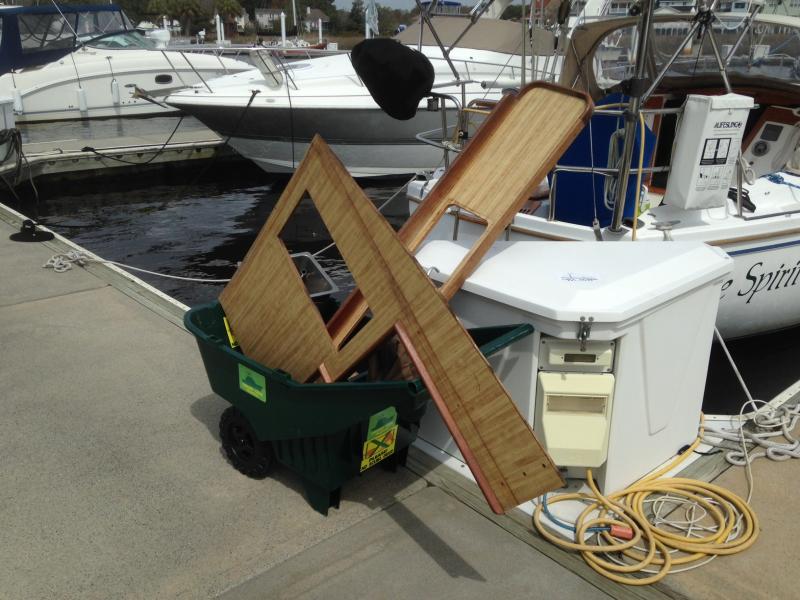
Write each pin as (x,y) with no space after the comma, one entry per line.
(186,11)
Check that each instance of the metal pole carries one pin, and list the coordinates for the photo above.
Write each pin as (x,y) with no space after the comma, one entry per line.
(632,114)
(423,13)
(695,26)
(720,62)
(745,28)
(739,188)
(443,109)
(524,36)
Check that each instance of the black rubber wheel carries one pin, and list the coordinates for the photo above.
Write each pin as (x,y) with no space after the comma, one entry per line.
(246,453)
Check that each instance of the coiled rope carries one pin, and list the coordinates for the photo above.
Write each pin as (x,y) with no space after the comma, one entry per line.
(771,423)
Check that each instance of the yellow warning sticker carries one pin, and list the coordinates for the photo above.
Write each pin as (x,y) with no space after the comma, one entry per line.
(379,447)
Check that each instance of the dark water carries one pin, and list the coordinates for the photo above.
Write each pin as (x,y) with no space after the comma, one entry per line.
(202,230)
(199,231)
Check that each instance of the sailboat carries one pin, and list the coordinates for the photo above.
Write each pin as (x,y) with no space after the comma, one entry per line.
(687,180)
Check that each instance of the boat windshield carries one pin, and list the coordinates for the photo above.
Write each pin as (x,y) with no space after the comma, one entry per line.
(121,40)
(768,50)
(66,29)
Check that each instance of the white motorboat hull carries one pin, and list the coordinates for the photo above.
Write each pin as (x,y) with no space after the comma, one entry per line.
(360,159)
(94,83)
(272,121)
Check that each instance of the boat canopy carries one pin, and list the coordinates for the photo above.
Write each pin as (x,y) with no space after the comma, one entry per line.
(602,57)
(35,35)
(486,34)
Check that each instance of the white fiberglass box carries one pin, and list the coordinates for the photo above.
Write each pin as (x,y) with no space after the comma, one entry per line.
(651,304)
(707,145)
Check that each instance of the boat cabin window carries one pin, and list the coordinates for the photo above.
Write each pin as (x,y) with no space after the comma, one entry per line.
(93,24)
(68,28)
(45,32)
(767,50)
(122,40)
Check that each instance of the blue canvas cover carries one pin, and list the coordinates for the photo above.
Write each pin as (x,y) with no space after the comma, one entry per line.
(37,35)
(575,193)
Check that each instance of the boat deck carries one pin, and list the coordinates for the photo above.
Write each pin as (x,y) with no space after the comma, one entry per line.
(113,483)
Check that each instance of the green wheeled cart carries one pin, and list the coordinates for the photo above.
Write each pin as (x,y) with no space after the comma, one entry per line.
(327,433)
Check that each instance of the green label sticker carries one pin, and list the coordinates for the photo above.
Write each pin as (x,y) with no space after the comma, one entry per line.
(382,422)
(252,383)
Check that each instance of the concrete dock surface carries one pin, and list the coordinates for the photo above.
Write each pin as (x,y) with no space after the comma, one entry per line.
(113,484)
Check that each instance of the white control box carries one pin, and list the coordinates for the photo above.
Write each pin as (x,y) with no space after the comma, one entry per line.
(573,417)
(708,142)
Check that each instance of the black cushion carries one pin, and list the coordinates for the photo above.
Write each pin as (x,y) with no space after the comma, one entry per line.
(396,76)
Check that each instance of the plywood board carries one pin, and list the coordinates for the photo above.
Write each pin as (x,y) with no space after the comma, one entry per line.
(515,148)
(277,325)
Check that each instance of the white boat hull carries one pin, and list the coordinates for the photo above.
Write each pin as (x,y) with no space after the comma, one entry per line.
(100,84)
(361,160)
(272,120)
(763,292)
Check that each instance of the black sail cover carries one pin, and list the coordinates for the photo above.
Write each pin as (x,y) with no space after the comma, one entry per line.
(397,76)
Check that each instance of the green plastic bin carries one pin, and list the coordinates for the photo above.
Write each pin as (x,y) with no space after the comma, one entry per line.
(326,433)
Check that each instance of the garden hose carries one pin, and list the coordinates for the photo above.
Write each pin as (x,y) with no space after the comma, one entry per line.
(621,525)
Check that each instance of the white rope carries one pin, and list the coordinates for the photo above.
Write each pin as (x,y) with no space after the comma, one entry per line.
(770,422)
(64,261)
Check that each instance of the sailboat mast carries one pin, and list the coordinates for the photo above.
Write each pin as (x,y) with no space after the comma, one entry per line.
(637,87)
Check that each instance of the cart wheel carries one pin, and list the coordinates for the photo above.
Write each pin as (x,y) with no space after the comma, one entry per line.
(246,453)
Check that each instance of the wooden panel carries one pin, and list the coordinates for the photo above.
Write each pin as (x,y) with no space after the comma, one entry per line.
(515,148)
(276,324)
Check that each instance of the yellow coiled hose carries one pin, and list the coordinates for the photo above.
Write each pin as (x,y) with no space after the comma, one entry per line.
(654,551)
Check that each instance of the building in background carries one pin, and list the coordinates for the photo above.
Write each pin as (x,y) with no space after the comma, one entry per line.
(311,20)
(268,19)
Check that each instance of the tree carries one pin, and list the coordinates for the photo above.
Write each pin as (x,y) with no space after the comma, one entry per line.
(228,8)
(357,15)
(186,11)
(158,7)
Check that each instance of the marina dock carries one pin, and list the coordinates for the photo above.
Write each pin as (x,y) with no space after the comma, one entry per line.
(106,147)
(114,484)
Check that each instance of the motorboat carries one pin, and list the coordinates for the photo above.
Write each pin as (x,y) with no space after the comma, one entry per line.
(271,113)
(678,161)
(78,62)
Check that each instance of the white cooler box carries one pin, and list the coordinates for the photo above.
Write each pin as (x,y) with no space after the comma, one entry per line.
(613,377)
